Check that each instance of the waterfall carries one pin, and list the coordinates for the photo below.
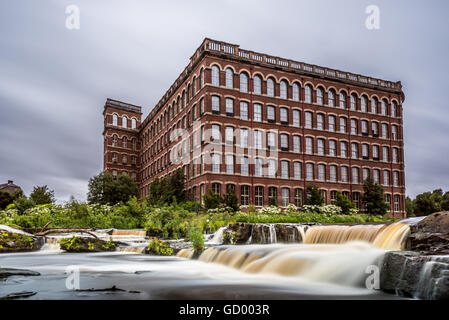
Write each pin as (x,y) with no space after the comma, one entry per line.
(217,237)
(51,245)
(273,238)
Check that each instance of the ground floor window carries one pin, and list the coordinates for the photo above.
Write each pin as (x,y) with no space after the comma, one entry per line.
(230,188)
(201,193)
(194,194)
(356,199)
(298,197)
(272,196)
(397,203)
(244,195)
(285,196)
(333,195)
(324,195)
(216,187)
(258,201)
(388,199)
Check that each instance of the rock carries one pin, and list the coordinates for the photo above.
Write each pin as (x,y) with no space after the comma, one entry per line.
(430,235)
(18,295)
(16,242)
(8,272)
(410,274)
(85,244)
(237,233)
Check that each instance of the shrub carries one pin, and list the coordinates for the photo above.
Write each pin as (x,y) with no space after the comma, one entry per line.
(197,239)
(211,199)
(159,248)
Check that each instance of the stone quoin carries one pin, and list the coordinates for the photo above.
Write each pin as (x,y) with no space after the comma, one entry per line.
(265,126)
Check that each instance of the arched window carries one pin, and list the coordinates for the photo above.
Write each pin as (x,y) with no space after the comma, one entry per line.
(215,76)
(283,87)
(194,85)
(243,82)
(383,107)
(331,98)
(114,120)
(229,78)
(295,92)
(133,123)
(353,102)
(124,122)
(342,100)
(393,109)
(124,142)
(308,94)
(319,96)
(257,85)
(363,103)
(321,172)
(270,87)
(114,140)
(373,105)
(309,171)
(134,143)
(202,78)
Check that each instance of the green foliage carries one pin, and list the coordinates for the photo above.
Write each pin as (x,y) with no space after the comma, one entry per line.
(344,203)
(314,196)
(196,238)
(80,244)
(230,200)
(373,198)
(410,207)
(11,242)
(159,248)
(42,195)
(104,189)
(430,202)
(7,198)
(211,199)
(167,190)
(23,203)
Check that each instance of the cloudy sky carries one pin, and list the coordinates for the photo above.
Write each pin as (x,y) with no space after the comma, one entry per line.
(54,81)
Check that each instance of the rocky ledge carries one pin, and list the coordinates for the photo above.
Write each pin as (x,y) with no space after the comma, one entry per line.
(15,240)
(86,244)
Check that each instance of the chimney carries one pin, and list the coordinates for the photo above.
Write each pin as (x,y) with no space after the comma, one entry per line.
(10,181)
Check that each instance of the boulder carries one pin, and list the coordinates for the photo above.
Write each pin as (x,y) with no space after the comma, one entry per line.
(86,244)
(430,235)
(8,272)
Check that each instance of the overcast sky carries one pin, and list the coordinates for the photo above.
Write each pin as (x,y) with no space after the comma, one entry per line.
(54,81)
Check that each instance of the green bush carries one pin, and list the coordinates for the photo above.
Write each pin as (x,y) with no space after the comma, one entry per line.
(196,238)
(159,248)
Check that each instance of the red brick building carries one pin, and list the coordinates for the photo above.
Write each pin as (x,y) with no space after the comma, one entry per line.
(265,126)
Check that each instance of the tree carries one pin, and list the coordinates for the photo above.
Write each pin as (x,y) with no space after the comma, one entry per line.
(211,199)
(42,195)
(314,196)
(230,200)
(428,202)
(344,203)
(410,207)
(104,189)
(168,189)
(23,203)
(373,198)
(445,202)
(7,197)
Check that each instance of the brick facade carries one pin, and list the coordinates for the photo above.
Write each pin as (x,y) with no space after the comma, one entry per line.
(320,147)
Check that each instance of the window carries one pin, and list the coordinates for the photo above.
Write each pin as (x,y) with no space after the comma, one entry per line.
(343,149)
(385,156)
(309,121)
(124,142)
(258,167)
(133,123)
(124,122)
(114,174)
(376,175)
(125,159)
(134,143)
(283,87)
(331,120)
(397,203)
(114,157)
(320,147)
(258,139)
(353,102)
(354,150)
(373,105)
(215,76)
(298,197)
(216,135)
(331,98)
(243,82)
(284,115)
(333,173)
(375,127)
(243,110)
(229,106)
(271,168)
(355,175)
(395,155)
(342,100)
(270,87)
(271,113)
(244,166)
(296,144)
(364,127)
(202,78)
(296,170)
(114,120)
(216,187)
(295,92)
(244,138)
(332,148)
(319,96)
(229,133)
(309,171)
(284,141)
(386,178)
(285,196)
(194,88)
(296,118)
(215,104)
(356,199)
(344,174)
(394,132)
(272,195)
(309,145)
(384,130)
(396,179)
(284,169)
(320,121)
(354,126)
(229,164)
(257,112)
(321,172)
(229,78)
(376,152)
(244,195)
(383,108)
(257,85)
(308,94)
(393,109)
(365,173)
(271,139)
(258,196)
(202,106)
(114,140)
(343,125)
(363,103)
